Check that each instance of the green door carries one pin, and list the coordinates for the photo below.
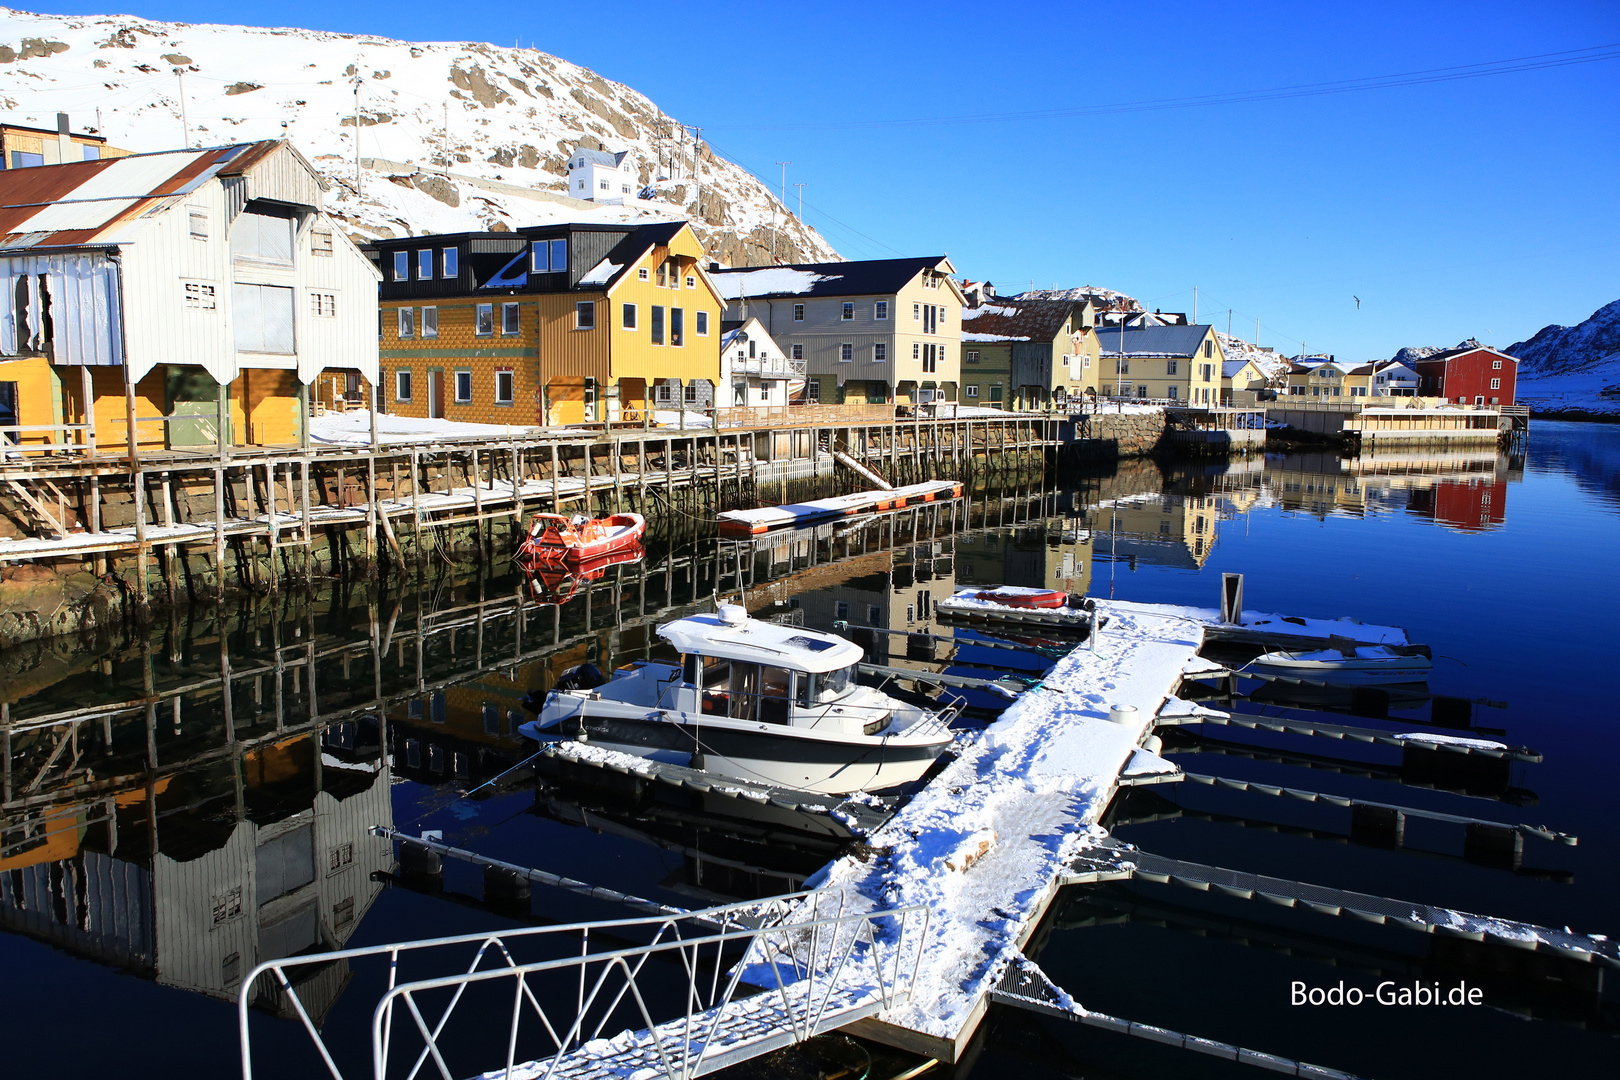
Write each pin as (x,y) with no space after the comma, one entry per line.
(193,408)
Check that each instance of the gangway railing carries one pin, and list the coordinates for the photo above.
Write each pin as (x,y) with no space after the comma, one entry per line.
(748,978)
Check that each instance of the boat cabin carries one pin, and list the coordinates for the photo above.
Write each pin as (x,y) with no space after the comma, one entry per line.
(746,669)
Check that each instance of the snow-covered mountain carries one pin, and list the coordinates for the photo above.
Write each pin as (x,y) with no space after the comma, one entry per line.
(452,135)
(1105,299)
(1235,348)
(1567,350)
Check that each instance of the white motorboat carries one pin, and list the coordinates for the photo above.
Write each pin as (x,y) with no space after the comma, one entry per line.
(1351,666)
(756,701)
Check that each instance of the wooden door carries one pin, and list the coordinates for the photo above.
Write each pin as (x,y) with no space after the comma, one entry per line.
(436,395)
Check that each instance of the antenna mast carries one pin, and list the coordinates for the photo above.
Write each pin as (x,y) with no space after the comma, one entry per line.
(185,128)
(359,188)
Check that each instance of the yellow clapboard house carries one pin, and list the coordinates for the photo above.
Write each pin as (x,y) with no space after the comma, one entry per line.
(559,324)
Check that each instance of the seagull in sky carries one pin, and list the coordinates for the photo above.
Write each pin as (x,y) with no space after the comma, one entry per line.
(1357,299)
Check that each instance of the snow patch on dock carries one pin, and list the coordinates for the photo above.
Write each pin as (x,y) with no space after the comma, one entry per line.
(1034,784)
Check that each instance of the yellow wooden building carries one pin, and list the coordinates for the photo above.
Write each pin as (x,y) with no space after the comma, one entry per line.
(562,324)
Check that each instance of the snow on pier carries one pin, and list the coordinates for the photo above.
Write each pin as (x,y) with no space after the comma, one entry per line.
(986,845)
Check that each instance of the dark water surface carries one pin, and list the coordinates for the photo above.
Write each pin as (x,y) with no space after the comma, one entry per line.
(134,899)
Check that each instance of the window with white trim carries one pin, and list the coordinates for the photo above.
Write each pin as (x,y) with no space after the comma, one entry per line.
(424,264)
(846,353)
(642,273)
(796,350)
(323,304)
(848,313)
(585,315)
(503,387)
(463,382)
(402,384)
(916,350)
(402,266)
(880,353)
(972,391)
(430,322)
(798,313)
(200,297)
(450,263)
(916,312)
(1170,366)
(971,357)
(1496,365)
(657,324)
(691,281)
(484,320)
(880,310)
(407,322)
(702,326)
(812,390)
(677,326)
(511,320)
(1496,384)
(627,317)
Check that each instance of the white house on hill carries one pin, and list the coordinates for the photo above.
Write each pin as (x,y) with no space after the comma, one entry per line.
(602,176)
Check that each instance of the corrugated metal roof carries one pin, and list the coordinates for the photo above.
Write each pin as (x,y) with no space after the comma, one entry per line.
(1024,320)
(1152,340)
(84,202)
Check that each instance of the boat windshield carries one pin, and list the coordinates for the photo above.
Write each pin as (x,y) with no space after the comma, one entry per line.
(827,686)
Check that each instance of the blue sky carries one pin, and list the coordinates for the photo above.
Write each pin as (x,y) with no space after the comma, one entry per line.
(1482,207)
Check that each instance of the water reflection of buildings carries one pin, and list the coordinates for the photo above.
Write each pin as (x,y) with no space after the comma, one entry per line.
(1460,491)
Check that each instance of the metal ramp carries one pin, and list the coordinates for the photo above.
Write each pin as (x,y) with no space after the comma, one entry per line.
(749,978)
(1025,986)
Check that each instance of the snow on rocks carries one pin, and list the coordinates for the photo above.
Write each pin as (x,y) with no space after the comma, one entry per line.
(1036,782)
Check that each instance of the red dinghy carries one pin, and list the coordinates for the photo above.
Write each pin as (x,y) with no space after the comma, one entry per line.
(1025,598)
(554,538)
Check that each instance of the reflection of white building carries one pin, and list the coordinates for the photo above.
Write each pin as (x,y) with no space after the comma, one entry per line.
(754,369)
(602,176)
(218,898)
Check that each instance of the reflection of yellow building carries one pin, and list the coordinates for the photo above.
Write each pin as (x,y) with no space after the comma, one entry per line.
(1158,528)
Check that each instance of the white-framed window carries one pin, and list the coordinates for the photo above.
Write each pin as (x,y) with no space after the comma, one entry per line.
(450,262)
(796,350)
(1496,384)
(702,326)
(1496,365)
(657,323)
(430,322)
(846,353)
(848,313)
(463,381)
(624,189)
(880,353)
(691,281)
(628,317)
(1087,364)
(642,273)
(200,297)
(199,226)
(916,350)
(402,266)
(1170,366)
(603,185)
(585,315)
(1122,367)
(323,304)
(320,243)
(971,356)
(1171,391)
(880,310)
(812,390)
(484,320)
(503,387)
(407,322)
(798,313)
(916,312)
(972,391)
(511,320)
(691,393)
(424,264)
(663,392)
(402,384)
(1209,349)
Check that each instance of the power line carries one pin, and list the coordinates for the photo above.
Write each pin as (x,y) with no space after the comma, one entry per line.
(1537,62)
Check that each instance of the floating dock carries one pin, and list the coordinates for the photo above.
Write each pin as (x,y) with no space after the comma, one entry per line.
(736,523)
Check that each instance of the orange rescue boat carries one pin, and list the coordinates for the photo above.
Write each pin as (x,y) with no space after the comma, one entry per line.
(554,538)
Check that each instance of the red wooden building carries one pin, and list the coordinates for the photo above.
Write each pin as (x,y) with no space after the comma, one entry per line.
(1471,374)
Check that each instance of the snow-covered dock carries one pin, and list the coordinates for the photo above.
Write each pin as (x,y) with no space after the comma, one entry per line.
(765,518)
(986,846)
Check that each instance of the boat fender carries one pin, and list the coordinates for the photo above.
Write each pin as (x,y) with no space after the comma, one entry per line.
(1076,600)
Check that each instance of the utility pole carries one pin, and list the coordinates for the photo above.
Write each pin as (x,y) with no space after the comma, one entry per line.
(1195,305)
(800,186)
(697,167)
(185,128)
(784,165)
(444,140)
(1257,331)
(1228,322)
(359,189)
(783,200)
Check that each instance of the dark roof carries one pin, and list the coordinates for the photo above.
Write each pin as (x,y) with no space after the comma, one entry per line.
(1152,340)
(627,252)
(865,278)
(1028,320)
(1465,347)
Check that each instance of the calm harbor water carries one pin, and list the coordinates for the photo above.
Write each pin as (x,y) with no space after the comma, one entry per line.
(133,899)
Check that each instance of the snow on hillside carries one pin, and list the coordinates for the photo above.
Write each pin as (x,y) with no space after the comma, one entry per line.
(1236,348)
(1105,299)
(505,118)
(1560,350)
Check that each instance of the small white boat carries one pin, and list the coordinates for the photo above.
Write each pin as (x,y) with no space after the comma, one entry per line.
(756,701)
(1352,666)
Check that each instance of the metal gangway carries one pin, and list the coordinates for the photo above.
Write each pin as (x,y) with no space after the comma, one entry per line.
(672,996)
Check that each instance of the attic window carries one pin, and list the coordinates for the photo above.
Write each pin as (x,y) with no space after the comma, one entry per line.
(642,273)
(320,242)
(199,224)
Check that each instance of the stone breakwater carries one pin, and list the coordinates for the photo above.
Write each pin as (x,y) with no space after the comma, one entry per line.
(1110,436)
